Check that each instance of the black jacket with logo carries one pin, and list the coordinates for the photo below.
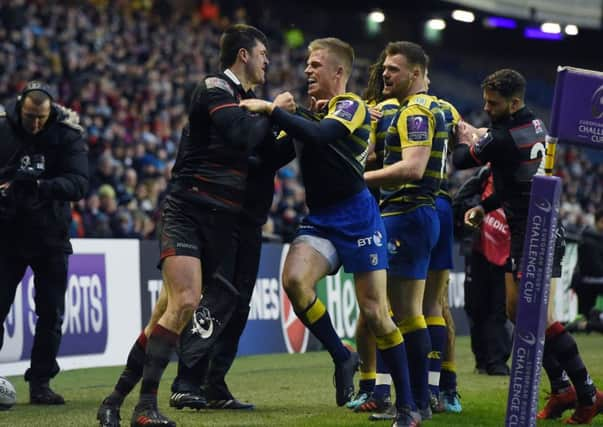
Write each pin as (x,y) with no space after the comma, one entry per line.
(212,162)
(35,216)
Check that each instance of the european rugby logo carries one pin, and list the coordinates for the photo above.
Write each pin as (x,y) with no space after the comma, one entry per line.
(528,337)
(543,204)
(597,103)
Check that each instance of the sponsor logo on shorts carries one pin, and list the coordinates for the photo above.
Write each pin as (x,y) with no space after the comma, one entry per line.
(376,239)
(187,246)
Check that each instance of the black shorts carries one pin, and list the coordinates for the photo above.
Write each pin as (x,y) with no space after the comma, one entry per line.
(194,230)
(517,240)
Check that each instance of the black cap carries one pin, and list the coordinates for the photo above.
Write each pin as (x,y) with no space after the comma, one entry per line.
(40,86)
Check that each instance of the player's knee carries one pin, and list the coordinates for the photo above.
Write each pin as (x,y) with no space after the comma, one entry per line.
(373,313)
(185,300)
(292,283)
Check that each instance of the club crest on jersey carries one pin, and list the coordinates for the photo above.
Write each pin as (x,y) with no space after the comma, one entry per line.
(216,82)
(538,126)
(417,127)
(345,109)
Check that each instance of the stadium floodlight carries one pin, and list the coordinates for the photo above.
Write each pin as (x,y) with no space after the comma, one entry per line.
(537,33)
(571,30)
(500,22)
(376,16)
(436,24)
(550,28)
(463,15)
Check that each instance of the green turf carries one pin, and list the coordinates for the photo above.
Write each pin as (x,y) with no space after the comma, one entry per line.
(289,390)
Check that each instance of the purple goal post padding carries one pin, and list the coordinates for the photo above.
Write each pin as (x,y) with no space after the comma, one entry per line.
(537,264)
(577,112)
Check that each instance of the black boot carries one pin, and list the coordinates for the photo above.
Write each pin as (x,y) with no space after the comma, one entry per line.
(40,393)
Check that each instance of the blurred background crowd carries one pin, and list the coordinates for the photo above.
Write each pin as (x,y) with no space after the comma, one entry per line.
(125,66)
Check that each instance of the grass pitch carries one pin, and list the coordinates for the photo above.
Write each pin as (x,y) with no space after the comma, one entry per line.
(288,390)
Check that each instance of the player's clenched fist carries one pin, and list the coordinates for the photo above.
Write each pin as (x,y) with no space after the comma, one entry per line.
(286,101)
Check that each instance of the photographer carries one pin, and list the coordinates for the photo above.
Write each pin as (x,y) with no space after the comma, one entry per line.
(43,166)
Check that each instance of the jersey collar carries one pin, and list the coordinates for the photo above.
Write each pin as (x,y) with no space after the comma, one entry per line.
(232,77)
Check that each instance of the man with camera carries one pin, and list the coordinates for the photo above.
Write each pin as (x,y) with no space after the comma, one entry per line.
(43,166)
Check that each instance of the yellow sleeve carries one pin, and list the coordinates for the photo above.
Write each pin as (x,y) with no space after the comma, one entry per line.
(415,126)
(348,109)
(456,117)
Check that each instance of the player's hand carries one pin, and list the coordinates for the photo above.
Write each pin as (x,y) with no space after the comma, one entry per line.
(317,104)
(475,216)
(256,105)
(375,114)
(4,188)
(467,134)
(285,101)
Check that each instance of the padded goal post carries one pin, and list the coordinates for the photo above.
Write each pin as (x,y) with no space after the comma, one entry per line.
(577,118)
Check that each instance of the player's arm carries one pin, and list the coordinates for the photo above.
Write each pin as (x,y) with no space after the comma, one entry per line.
(415,128)
(277,152)
(237,126)
(345,114)
(309,131)
(281,113)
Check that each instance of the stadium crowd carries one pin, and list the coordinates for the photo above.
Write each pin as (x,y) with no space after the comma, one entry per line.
(117,64)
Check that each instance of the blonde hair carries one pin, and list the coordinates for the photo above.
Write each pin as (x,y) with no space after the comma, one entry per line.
(341,50)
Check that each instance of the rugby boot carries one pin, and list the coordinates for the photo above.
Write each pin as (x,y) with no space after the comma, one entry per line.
(187,400)
(557,403)
(40,393)
(451,401)
(358,400)
(147,415)
(232,403)
(375,404)
(584,414)
(407,418)
(344,378)
(108,415)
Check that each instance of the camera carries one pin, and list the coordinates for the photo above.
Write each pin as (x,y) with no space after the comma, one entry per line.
(30,168)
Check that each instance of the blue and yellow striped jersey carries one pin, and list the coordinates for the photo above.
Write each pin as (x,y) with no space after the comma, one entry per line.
(452,117)
(388,108)
(333,172)
(419,122)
